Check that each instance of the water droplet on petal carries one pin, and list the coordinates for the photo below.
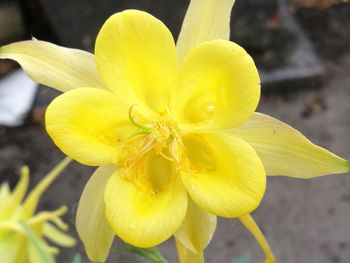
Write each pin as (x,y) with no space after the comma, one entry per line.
(210,109)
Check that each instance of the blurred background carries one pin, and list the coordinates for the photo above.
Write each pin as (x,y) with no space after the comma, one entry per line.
(302,50)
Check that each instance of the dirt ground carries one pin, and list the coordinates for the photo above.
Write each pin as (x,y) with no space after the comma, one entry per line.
(305,221)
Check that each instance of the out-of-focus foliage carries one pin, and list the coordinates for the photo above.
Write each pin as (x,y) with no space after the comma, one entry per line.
(243,259)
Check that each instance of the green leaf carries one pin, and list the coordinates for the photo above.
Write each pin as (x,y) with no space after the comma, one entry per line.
(42,253)
(243,259)
(151,254)
(76,258)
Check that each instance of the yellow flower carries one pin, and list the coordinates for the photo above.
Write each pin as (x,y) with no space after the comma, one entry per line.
(15,244)
(165,127)
(173,129)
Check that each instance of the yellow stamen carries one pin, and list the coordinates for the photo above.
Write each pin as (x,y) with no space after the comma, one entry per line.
(167,157)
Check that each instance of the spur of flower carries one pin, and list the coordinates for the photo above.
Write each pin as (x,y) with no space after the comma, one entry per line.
(173,129)
(18,221)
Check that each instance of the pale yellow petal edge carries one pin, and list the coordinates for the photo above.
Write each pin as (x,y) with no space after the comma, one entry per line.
(54,66)
(285,151)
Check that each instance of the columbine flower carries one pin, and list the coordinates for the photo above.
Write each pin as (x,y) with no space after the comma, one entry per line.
(173,130)
(15,215)
(165,127)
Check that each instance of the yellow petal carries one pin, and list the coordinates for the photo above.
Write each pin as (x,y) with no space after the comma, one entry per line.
(57,236)
(285,151)
(205,20)
(11,225)
(91,223)
(5,194)
(223,174)
(88,124)
(21,187)
(51,249)
(187,256)
(36,256)
(146,203)
(197,229)
(219,86)
(31,202)
(52,216)
(11,202)
(136,58)
(57,67)
(254,229)
(9,248)
(4,190)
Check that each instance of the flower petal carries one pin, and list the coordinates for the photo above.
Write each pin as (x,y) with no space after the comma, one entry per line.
(21,187)
(31,202)
(57,67)
(222,174)
(187,256)
(136,58)
(57,236)
(88,124)
(9,246)
(146,203)
(52,216)
(91,222)
(219,86)
(10,202)
(38,252)
(5,195)
(285,151)
(197,229)
(253,228)
(205,20)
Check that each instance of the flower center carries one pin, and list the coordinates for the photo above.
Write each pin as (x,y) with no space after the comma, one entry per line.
(149,158)
(160,136)
(152,157)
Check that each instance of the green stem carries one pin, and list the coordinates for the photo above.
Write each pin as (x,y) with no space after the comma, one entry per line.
(151,254)
(43,254)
